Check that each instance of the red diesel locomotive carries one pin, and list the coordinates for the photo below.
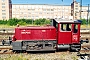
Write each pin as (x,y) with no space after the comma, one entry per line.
(62,34)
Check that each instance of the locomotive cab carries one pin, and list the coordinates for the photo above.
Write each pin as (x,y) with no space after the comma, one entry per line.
(68,34)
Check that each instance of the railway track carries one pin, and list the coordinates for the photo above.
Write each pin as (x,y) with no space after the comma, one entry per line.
(85,35)
(5,49)
(6,33)
(85,48)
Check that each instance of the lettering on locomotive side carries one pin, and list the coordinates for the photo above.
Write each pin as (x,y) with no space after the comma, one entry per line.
(25,32)
(43,30)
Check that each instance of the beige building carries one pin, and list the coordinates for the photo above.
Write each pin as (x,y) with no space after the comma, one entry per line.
(36,11)
(5,9)
(32,11)
(75,10)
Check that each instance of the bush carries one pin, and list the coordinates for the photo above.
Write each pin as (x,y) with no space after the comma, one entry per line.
(22,23)
(84,21)
(47,22)
(29,21)
(37,22)
(89,21)
(15,21)
(3,21)
(41,21)
(12,22)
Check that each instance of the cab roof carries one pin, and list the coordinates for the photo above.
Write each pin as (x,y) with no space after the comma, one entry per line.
(67,21)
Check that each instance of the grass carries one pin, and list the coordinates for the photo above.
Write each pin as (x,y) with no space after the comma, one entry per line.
(85,26)
(19,57)
(40,56)
(7,26)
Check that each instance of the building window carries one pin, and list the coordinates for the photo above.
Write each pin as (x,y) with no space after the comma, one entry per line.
(3,10)
(3,13)
(44,9)
(25,16)
(3,3)
(3,0)
(3,6)
(75,14)
(28,9)
(48,9)
(52,9)
(31,9)
(40,12)
(29,13)
(76,8)
(3,17)
(29,16)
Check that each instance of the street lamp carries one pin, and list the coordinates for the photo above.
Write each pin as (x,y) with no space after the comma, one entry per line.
(62,9)
(88,14)
(80,8)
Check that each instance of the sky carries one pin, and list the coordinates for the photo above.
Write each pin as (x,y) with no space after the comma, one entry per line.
(58,2)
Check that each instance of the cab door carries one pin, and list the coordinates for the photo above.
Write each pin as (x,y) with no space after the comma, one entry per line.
(76,33)
(64,33)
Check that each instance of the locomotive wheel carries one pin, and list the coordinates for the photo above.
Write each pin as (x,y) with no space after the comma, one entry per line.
(75,48)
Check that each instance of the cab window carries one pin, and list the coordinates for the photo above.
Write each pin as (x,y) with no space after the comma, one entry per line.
(65,27)
(75,28)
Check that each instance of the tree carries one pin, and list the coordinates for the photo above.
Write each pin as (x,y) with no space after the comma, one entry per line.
(15,21)
(84,21)
(22,23)
(89,21)
(37,22)
(12,22)
(29,21)
(47,22)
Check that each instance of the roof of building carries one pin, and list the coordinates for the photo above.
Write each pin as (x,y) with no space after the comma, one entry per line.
(43,4)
